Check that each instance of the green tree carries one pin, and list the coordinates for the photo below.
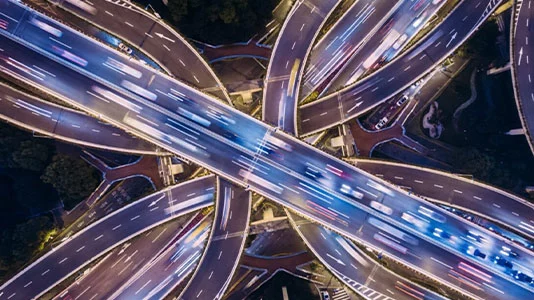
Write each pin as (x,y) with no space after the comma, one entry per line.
(20,242)
(220,21)
(31,155)
(73,178)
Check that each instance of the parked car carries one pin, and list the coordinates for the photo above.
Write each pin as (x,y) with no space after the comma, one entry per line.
(403,99)
(381,123)
(125,48)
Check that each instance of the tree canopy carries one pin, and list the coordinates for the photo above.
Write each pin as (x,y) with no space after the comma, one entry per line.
(220,21)
(73,178)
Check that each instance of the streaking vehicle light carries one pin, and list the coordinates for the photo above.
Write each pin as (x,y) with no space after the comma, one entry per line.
(70,56)
(380,188)
(390,243)
(139,90)
(194,117)
(48,28)
(431,214)
(381,208)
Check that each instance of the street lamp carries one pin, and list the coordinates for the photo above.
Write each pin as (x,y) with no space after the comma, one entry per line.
(153,10)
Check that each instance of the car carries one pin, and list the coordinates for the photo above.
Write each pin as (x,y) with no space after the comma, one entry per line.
(442,234)
(498,260)
(346,189)
(427,212)
(125,48)
(400,41)
(381,123)
(508,252)
(381,207)
(475,252)
(520,276)
(476,237)
(403,99)
(325,295)
(414,220)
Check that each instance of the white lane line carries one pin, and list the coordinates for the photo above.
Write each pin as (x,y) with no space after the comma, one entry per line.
(116,227)
(80,249)
(129,24)
(63,260)
(107,12)
(478,198)
(398,177)
(418,181)
(134,218)
(28,284)
(496,205)
(44,273)
(144,285)
(459,192)
(99,237)
(441,263)
(438,186)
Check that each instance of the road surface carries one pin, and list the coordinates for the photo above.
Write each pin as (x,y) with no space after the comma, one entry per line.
(225,244)
(282,82)
(150,34)
(268,162)
(101,236)
(521,68)
(396,76)
(66,124)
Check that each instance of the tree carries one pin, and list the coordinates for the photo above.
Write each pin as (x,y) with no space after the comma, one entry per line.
(73,179)
(220,21)
(31,155)
(20,242)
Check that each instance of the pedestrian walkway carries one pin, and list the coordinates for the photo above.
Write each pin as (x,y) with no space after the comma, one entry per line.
(367,140)
(146,166)
(248,49)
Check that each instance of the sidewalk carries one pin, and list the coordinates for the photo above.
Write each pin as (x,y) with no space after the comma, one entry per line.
(249,49)
(146,166)
(367,140)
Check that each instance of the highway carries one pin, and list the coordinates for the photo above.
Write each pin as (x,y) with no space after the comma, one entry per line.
(398,30)
(282,82)
(162,275)
(455,191)
(157,39)
(225,244)
(260,169)
(103,235)
(354,267)
(343,40)
(65,124)
(124,261)
(521,68)
(354,100)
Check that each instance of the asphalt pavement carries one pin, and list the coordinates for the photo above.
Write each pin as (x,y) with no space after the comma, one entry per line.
(225,244)
(282,82)
(101,236)
(356,99)
(354,267)
(149,33)
(522,69)
(108,275)
(269,162)
(66,124)
(459,192)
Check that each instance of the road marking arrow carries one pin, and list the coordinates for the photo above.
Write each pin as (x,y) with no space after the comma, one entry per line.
(162,36)
(335,259)
(452,38)
(156,201)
